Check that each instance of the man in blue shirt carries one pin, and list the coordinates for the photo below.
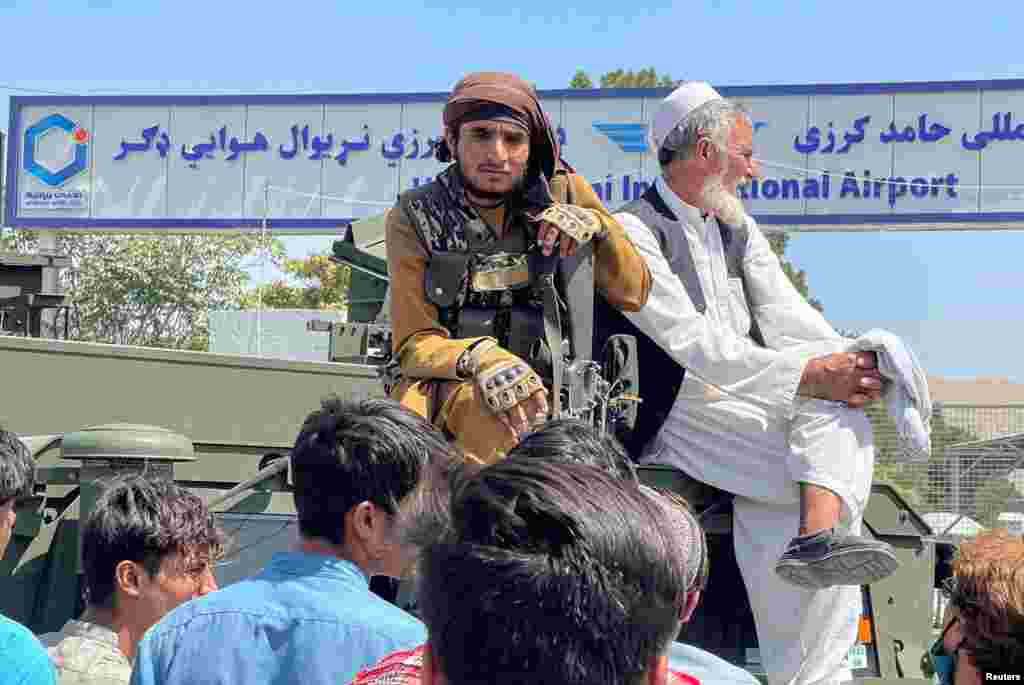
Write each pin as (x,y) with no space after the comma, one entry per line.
(23,661)
(309,616)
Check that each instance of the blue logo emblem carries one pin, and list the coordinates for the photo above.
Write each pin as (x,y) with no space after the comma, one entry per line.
(629,137)
(78,135)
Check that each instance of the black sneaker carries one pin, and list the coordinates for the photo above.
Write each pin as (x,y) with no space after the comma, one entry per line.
(824,559)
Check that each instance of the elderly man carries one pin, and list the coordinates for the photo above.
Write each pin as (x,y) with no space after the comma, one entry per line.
(147,547)
(309,616)
(468,299)
(752,411)
(24,660)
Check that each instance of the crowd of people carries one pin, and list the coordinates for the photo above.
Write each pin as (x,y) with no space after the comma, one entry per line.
(534,552)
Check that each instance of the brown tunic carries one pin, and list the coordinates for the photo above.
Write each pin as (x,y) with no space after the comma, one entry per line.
(423,346)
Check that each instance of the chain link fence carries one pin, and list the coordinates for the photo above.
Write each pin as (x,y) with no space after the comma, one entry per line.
(974,478)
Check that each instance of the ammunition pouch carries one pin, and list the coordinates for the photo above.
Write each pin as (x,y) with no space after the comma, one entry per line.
(445,279)
(476,322)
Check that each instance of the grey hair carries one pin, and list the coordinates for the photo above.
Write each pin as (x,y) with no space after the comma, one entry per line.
(714,119)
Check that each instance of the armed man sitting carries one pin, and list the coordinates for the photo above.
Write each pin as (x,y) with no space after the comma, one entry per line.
(468,299)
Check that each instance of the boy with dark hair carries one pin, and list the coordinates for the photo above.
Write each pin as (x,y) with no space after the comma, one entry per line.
(147,547)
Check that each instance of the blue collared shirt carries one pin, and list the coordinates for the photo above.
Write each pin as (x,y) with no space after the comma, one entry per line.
(306,618)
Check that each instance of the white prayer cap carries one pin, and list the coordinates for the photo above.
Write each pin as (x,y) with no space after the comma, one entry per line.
(676,107)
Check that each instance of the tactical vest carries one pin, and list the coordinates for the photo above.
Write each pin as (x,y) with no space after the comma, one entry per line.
(660,375)
(482,285)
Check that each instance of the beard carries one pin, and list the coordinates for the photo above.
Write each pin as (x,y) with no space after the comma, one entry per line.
(476,192)
(723,203)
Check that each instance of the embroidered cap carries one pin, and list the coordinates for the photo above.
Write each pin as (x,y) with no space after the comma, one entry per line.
(676,107)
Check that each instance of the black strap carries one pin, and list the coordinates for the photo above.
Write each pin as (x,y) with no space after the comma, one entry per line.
(552,328)
(577,280)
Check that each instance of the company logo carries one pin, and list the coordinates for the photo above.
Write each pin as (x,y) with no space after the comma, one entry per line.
(62,126)
(629,137)
(633,137)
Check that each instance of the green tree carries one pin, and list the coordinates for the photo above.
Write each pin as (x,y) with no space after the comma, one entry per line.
(926,486)
(148,290)
(315,282)
(581,80)
(621,78)
(778,241)
(992,499)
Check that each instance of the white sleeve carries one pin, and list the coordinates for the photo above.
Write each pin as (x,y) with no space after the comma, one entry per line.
(708,351)
(785,318)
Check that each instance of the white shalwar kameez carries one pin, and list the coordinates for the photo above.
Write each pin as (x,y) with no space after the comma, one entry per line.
(738,425)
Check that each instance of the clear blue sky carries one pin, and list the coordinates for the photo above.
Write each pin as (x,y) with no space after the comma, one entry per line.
(953,296)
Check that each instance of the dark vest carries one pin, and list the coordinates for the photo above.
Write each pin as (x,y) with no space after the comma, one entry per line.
(660,375)
(456,237)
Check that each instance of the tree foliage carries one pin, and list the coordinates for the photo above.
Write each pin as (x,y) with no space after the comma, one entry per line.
(315,282)
(622,78)
(927,487)
(151,291)
(991,499)
(778,241)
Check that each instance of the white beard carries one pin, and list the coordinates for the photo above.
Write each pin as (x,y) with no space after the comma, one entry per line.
(723,204)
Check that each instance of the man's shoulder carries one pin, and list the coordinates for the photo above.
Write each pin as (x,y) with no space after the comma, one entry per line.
(418,192)
(244,599)
(396,623)
(23,654)
(88,661)
(14,636)
(249,604)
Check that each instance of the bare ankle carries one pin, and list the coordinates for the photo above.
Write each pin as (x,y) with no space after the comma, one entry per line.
(819,509)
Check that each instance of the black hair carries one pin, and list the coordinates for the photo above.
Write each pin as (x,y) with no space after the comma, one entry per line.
(572,440)
(349,452)
(17,468)
(550,574)
(144,520)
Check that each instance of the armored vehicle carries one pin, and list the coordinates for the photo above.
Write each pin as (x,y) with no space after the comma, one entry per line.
(223,425)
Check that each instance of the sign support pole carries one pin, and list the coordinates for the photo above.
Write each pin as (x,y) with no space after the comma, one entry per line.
(51,282)
(263,268)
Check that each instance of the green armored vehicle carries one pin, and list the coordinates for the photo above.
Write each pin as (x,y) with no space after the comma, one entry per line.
(222,425)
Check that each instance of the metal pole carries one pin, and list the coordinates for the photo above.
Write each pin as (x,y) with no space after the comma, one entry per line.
(263,269)
(279,466)
(51,283)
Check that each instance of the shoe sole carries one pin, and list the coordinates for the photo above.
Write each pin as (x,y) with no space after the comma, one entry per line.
(850,567)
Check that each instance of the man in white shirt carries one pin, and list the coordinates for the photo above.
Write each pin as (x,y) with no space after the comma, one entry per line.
(759,412)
